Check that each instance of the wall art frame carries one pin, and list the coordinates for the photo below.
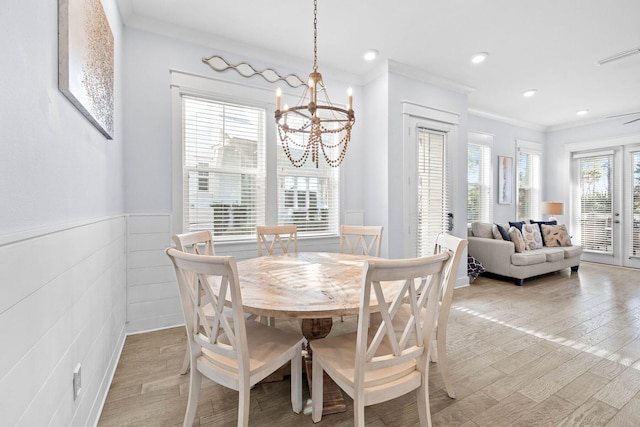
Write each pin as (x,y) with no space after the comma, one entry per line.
(86,61)
(505,180)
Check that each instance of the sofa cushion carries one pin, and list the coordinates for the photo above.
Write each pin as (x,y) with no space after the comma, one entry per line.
(516,238)
(517,224)
(503,230)
(533,221)
(531,236)
(556,235)
(553,254)
(571,251)
(528,258)
(482,229)
(496,232)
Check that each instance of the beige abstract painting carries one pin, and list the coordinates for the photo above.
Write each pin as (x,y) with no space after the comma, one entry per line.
(85,60)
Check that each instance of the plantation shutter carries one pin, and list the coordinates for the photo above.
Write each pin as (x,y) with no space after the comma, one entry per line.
(223,167)
(433,206)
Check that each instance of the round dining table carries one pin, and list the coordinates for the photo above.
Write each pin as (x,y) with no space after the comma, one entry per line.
(310,286)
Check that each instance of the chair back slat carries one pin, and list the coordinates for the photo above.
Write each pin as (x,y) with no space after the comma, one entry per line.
(361,239)
(382,346)
(277,239)
(215,277)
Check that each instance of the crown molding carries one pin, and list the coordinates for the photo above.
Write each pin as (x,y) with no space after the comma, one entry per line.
(507,120)
(423,76)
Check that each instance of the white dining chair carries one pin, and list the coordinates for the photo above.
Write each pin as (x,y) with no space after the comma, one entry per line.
(235,354)
(201,243)
(274,239)
(361,239)
(376,364)
(455,246)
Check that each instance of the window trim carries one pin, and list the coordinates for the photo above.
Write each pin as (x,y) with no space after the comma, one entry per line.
(182,83)
(536,149)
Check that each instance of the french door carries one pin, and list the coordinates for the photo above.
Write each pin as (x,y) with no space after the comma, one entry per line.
(607,205)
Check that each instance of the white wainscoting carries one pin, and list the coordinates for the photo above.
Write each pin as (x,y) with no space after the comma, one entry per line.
(152,293)
(62,303)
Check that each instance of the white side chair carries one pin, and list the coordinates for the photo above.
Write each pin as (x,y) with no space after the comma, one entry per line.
(274,239)
(235,354)
(376,364)
(201,243)
(455,246)
(361,239)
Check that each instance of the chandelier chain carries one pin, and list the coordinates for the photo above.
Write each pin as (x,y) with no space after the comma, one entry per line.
(315,35)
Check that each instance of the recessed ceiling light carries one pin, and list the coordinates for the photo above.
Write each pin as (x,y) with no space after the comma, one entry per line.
(479,57)
(582,112)
(370,55)
(529,93)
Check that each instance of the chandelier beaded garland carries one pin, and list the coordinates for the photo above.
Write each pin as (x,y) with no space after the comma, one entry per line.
(313,128)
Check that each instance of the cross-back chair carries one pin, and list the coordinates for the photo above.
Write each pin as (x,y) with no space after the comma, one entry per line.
(238,353)
(376,363)
(201,243)
(361,239)
(273,239)
(455,246)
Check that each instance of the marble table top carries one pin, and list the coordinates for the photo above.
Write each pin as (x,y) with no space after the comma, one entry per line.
(306,285)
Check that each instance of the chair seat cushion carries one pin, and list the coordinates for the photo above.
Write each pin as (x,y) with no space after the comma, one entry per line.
(340,352)
(265,344)
(553,254)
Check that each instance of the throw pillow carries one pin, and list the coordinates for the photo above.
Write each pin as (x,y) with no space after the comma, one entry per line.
(482,229)
(517,224)
(496,232)
(503,232)
(531,236)
(516,238)
(556,235)
(533,221)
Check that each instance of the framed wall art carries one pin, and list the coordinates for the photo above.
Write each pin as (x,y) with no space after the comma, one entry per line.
(505,180)
(85,61)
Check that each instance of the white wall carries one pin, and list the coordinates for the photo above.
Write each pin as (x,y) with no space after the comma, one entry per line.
(405,88)
(504,144)
(62,272)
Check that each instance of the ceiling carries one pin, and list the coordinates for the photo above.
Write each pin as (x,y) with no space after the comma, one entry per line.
(549,45)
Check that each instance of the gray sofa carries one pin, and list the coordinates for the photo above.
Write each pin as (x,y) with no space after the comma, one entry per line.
(500,257)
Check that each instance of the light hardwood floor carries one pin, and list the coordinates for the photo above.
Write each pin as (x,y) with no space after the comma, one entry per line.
(563,350)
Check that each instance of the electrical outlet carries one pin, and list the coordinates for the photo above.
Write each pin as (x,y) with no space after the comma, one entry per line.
(77,381)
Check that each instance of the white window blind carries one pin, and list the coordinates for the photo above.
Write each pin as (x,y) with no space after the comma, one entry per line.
(223,169)
(308,196)
(596,201)
(529,171)
(635,203)
(479,178)
(433,206)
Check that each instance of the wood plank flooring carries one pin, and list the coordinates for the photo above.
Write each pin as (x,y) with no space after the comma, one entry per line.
(563,350)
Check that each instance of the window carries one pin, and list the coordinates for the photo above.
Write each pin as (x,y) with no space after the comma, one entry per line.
(223,173)
(307,196)
(227,182)
(432,189)
(529,171)
(479,178)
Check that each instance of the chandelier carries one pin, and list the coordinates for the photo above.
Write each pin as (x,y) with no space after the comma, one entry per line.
(313,127)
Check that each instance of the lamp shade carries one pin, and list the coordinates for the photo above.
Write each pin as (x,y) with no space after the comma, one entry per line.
(552,208)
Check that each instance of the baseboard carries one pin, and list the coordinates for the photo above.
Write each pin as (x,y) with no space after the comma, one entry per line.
(103,392)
